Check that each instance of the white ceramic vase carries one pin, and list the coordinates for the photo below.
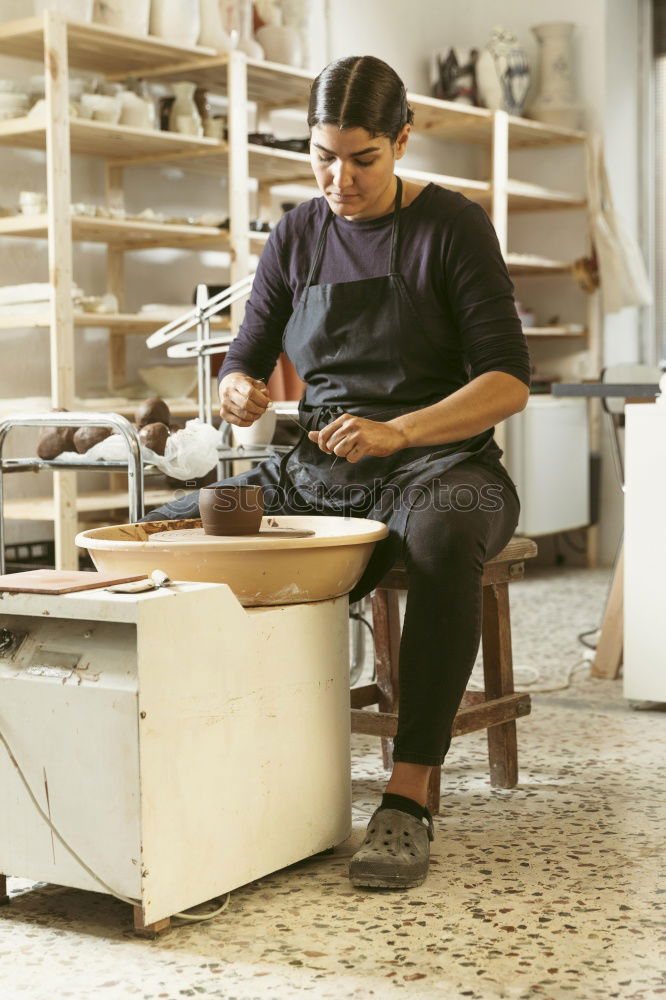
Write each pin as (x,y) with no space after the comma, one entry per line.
(76,10)
(177,21)
(184,115)
(130,16)
(213,33)
(280,44)
(260,432)
(246,43)
(556,102)
(502,73)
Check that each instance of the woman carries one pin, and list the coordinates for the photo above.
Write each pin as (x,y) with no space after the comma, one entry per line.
(395,306)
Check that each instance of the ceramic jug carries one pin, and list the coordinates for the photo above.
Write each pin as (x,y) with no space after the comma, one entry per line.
(213,33)
(502,73)
(177,21)
(184,116)
(130,16)
(556,102)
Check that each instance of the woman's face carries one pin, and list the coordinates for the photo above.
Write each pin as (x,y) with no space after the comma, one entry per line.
(354,169)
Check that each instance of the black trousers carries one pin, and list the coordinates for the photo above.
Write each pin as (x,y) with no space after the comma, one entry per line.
(467,518)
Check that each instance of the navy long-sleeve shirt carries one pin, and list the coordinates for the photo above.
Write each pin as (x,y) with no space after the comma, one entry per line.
(449,258)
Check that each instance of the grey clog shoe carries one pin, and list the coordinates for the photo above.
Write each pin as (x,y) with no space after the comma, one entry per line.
(395,853)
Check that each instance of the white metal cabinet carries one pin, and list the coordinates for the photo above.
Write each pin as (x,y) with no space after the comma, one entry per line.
(546,452)
(645,552)
(189,745)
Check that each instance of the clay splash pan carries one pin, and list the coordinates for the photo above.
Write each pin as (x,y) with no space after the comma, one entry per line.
(191,531)
(293,559)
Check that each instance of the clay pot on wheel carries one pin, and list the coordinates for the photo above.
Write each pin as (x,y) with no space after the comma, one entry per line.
(231,510)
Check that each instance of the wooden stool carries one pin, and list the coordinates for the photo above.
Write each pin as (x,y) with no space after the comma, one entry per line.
(494,709)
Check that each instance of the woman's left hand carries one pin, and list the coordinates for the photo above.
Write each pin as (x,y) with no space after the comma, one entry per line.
(353,438)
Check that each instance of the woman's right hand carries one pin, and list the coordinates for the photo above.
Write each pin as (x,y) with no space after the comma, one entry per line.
(242,399)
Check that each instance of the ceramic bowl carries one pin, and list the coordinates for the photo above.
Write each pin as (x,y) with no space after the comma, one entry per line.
(170,381)
(101,107)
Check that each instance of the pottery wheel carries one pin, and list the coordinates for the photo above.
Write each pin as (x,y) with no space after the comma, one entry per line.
(198,535)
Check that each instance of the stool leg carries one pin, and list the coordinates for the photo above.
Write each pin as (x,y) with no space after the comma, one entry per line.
(434,782)
(150,931)
(386,626)
(498,675)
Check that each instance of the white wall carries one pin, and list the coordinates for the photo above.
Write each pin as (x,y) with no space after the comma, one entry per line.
(403,34)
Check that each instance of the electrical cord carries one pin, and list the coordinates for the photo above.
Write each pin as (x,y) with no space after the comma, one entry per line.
(70,850)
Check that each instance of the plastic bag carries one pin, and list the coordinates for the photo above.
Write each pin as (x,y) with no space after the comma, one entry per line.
(189,453)
(624,279)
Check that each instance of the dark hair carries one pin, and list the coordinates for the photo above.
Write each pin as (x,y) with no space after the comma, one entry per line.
(360,92)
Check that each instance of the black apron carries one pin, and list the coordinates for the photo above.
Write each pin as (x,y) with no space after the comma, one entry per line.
(361,348)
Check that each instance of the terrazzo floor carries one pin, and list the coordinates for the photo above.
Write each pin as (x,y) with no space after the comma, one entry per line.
(553,889)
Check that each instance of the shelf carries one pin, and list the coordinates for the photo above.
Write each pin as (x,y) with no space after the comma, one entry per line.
(525,132)
(524,197)
(274,85)
(117,322)
(128,234)
(121,143)
(182,407)
(278,166)
(566,330)
(531,264)
(97,502)
(95,47)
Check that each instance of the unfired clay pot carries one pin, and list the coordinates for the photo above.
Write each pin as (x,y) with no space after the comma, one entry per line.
(177,21)
(231,510)
(130,16)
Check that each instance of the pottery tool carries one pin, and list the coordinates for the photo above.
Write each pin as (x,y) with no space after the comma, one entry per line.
(58,581)
(156,580)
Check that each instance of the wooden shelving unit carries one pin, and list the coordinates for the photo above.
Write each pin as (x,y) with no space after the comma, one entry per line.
(62,45)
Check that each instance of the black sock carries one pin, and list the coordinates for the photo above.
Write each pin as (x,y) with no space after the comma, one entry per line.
(401,802)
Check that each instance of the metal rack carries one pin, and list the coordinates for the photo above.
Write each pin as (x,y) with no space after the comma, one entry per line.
(203,346)
(134,464)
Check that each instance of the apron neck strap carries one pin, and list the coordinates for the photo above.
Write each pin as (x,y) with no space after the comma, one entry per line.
(393,261)
(320,246)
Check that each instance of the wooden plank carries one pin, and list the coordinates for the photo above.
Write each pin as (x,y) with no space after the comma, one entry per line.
(98,48)
(488,714)
(119,142)
(98,502)
(365,694)
(498,683)
(127,234)
(61,322)
(524,197)
(608,656)
(531,264)
(128,323)
(500,175)
(55,581)
(150,931)
(386,627)
(238,165)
